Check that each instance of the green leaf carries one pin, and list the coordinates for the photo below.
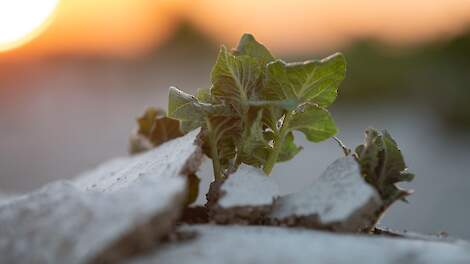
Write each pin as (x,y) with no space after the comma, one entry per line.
(272,116)
(301,92)
(287,104)
(192,111)
(257,144)
(289,149)
(310,81)
(216,120)
(383,166)
(204,95)
(235,79)
(184,106)
(315,122)
(395,166)
(250,47)
(220,137)
(368,154)
(154,129)
(254,148)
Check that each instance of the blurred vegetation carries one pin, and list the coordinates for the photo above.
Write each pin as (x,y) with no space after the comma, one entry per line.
(436,74)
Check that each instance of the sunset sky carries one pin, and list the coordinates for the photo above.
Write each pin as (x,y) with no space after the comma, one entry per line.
(130,27)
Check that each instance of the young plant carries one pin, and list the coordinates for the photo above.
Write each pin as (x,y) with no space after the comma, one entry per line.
(383,166)
(256,102)
(252,108)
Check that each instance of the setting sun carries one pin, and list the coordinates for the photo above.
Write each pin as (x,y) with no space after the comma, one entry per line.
(22,20)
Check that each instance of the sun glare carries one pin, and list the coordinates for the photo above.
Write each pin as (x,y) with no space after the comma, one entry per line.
(22,20)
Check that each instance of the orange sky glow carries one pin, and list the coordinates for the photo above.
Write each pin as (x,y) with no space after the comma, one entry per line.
(130,27)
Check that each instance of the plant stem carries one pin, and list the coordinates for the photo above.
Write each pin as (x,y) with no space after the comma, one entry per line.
(278,142)
(214,153)
(346,150)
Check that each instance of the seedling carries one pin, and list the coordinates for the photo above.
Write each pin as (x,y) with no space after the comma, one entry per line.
(254,104)
(383,166)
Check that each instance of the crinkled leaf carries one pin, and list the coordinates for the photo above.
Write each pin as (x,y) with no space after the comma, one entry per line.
(250,47)
(382,165)
(300,91)
(258,144)
(154,129)
(183,106)
(221,134)
(287,104)
(271,117)
(368,154)
(310,81)
(289,149)
(315,122)
(395,166)
(235,79)
(254,148)
(203,95)
(216,120)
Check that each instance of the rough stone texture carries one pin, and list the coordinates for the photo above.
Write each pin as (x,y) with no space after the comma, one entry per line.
(246,196)
(179,156)
(257,244)
(248,186)
(108,214)
(339,200)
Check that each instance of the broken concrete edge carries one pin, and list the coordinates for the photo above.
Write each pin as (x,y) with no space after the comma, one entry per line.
(262,244)
(146,236)
(200,215)
(229,202)
(439,237)
(195,160)
(369,227)
(338,200)
(361,221)
(241,215)
(212,213)
(248,186)
(143,237)
(214,193)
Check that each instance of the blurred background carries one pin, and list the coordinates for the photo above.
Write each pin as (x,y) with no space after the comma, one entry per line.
(74,74)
